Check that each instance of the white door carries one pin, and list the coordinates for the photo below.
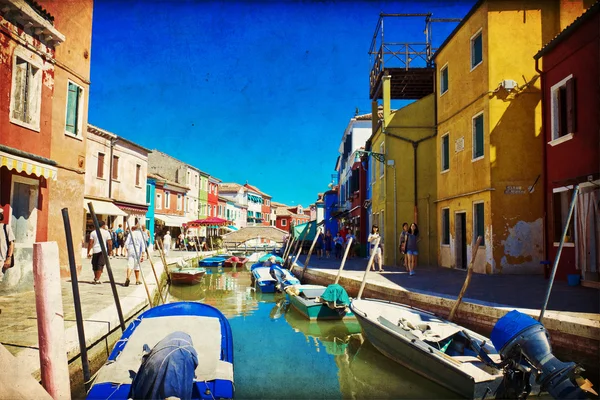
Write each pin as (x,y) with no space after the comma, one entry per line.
(24,201)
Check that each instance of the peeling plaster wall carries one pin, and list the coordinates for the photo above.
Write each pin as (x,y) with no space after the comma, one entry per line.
(523,247)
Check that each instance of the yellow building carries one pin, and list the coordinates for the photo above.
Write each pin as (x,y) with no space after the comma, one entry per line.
(489,142)
(406,138)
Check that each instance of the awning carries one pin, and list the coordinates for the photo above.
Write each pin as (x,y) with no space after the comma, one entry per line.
(172,220)
(30,167)
(103,207)
(133,209)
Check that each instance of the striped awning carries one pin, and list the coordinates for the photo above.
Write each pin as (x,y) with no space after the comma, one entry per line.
(30,167)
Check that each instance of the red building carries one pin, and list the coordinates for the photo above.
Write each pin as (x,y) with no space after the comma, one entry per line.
(169,212)
(213,196)
(222,205)
(570,78)
(289,216)
(265,208)
(27,170)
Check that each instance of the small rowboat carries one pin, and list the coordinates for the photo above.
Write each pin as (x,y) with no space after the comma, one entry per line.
(187,276)
(182,350)
(263,280)
(317,302)
(216,261)
(240,261)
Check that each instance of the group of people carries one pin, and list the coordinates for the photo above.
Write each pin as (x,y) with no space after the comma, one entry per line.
(338,243)
(409,237)
(133,246)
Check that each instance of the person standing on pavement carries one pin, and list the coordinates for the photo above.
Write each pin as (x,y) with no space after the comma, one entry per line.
(328,241)
(167,243)
(402,241)
(120,243)
(372,239)
(95,251)
(7,245)
(136,247)
(348,237)
(411,247)
(339,244)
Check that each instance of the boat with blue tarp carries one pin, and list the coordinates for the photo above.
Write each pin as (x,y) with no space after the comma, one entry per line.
(318,302)
(215,261)
(182,350)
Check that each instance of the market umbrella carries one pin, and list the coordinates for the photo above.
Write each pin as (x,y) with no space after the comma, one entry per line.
(264,258)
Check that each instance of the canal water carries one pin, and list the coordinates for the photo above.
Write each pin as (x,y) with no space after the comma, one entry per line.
(280,354)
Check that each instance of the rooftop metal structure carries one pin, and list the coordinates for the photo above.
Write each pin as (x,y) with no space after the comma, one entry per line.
(410,64)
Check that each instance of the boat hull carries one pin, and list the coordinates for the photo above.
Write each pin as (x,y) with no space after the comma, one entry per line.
(313,310)
(187,278)
(421,361)
(210,389)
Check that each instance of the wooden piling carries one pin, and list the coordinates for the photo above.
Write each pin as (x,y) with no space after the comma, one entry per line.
(467,280)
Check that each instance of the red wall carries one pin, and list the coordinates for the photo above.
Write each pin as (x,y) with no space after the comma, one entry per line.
(579,157)
(266,210)
(213,198)
(172,210)
(279,225)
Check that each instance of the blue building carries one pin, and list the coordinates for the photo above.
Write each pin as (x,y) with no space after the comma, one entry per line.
(150,200)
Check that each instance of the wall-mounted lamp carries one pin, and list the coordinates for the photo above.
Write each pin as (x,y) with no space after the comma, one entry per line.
(378,156)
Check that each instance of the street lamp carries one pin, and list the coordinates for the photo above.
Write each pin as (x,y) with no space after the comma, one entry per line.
(360,153)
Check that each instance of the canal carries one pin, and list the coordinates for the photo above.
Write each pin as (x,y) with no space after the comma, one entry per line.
(280,354)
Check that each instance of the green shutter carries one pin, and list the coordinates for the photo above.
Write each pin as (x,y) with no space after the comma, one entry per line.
(479,221)
(478,136)
(445,226)
(72,107)
(477,50)
(445,153)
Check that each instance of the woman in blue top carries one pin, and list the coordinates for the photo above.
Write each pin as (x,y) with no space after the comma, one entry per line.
(411,247)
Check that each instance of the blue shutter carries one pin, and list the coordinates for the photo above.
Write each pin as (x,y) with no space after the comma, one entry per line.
(445,226)
(477,50)
(479,222)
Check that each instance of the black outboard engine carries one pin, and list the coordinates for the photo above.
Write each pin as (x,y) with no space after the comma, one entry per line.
(524,345)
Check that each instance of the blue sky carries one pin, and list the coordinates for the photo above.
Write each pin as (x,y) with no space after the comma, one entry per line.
(245,91)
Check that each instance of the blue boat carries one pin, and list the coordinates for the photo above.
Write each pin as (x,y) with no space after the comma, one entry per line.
(216,261)
(263,280)
(201,367)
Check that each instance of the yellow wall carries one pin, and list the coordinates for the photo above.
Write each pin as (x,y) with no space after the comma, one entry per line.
(512,134)
(413,122)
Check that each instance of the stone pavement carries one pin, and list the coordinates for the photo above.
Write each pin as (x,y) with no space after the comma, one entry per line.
(519,291)
(18,321)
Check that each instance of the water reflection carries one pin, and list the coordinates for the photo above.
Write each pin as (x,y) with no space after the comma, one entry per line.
(280,354)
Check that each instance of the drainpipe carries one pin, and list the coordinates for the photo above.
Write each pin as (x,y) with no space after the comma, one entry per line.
(415,146)
(113,141)
(544,155)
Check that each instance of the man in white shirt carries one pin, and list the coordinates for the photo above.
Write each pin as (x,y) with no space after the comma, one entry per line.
(7,245)
(98,261)
(167,243)
(136,247)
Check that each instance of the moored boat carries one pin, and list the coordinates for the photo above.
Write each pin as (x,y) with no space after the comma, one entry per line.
(317,302)
(430,346)
(263,279)
(187,276)
(283,276)
(239,261)
(179,349)
(215,261)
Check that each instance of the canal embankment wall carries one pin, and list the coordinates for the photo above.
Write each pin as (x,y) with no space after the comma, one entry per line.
(573,337)
(102,329)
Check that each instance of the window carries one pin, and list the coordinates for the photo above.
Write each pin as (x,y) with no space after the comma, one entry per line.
(561,201)
(167,200)
(74,111)
(158,201)
(177,175)
(115,167)
(382,163)
(188,178)
(563,122)
(100,168)
(138,171)
(148,193)
(179,202)
(478,222)
(445,152)
(26,94)
(478,136)
(444,79)
(476,49)
(446,226)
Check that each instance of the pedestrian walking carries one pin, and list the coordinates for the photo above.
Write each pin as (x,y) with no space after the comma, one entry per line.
(372,239)
(167,243)
(136,247)
(7,246)
(339,244)
(328,243)
(348,237)
(411,247)
(120,243)
(95,251)
(320,244)
(402,241)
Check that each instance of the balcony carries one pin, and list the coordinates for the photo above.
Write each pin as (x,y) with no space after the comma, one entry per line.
(34,21)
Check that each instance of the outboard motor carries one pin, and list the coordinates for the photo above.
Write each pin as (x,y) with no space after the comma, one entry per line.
(523,343)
